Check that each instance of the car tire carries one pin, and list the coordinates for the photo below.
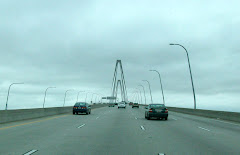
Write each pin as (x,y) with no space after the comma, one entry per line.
(118,107)
(166,118)
(87,113)
(73,113)
(148,118)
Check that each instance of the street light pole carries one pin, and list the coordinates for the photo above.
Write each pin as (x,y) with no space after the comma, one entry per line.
(92,96)
(149,89)
(87,96)
(190,73)
(96,99)
(160,84)
(66,95)
(136,97)
(101,95)
(9,92)
(46,94)
(78,95)
(140,94)
(144,93)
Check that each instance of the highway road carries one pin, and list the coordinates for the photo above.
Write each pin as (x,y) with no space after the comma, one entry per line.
(109,130)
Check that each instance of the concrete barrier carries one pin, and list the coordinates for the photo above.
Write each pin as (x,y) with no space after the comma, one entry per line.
(223,115)
(23,114)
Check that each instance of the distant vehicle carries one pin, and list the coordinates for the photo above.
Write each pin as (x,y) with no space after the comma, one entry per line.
(111,105)
(135,105)
(156,110)
(121,105)
(130,103)
(81,107)
(116,103)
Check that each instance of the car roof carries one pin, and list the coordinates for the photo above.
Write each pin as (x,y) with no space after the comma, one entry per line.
(156,104)
(80,102)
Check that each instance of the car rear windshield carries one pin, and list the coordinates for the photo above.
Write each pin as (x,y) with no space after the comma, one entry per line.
(76,104)
(135,103)
(80,104)
(157,106)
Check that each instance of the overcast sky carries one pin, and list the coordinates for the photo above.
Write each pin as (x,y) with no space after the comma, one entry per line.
(75,44)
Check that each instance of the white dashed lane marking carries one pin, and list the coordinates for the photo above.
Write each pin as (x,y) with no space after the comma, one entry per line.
(203,128)
(30,152)
(81,126)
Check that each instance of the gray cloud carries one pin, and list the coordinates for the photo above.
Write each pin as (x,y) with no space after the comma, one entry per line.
(75,44)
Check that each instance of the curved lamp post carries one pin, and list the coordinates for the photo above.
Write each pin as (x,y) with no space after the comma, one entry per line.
(9,92)
(78,94)
(66,95)
(87,96)
(140,94)
(92,97)
(46,95)
(144,93)
(160,84)
(190,73)
(149,89)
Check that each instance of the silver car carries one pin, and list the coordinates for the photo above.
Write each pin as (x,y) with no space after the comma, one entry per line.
(121,105)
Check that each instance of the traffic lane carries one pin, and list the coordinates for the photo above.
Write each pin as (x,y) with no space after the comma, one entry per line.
(21,138)
(115,132)
(225,134)
(196,135)
(234,127)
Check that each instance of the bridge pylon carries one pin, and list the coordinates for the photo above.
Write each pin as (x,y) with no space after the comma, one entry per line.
(116,83)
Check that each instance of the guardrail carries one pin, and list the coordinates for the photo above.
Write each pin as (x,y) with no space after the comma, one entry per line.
(23,114)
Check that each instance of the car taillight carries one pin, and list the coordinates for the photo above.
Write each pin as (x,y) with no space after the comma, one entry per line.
(166,111)
(83,107)
(150,110)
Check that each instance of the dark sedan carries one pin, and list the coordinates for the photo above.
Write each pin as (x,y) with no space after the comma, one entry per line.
(81,107)
(135,105)
(111,105)
(156,110)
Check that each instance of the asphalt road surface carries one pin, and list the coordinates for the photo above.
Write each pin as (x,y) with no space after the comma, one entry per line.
(113,131)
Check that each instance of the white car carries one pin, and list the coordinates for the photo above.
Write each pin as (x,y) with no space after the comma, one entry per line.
(121,105)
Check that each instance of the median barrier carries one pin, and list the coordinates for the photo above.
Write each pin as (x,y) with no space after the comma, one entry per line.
(24,114)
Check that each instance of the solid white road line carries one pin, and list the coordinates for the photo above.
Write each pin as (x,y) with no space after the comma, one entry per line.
(203,128)
(135,117)
(30,152)
(97,117)
(81,126)
(161,154)
(226,122)
(174,119)
(142,128)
